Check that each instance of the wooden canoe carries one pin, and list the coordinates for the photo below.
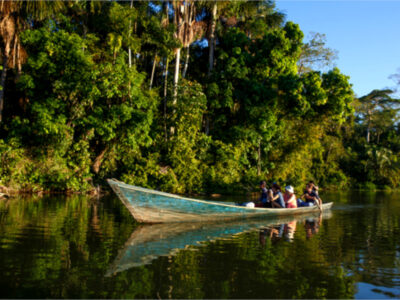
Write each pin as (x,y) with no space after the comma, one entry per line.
(149,206)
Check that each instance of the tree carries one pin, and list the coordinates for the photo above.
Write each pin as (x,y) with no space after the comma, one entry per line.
(211,39)
(249,91)
(14,19)
(375,107)
(315,55)
(83,111)
(187,28)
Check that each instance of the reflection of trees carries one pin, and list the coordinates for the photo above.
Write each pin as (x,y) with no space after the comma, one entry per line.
(242,268)
(373,236)
(46,242)
(61,248)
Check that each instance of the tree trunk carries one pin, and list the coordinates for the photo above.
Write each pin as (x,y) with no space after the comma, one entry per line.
(130,57)
(8,36)
(15,53)
(186,62)
(211,50)
(368,125)
(114,56)
(259,159)
(2,83)
(135,31)
(165,97)
(207,125)
(98,161)
(165,24)
(85,30)
(166,12)
(153,71)
(175,92)
(129,49)
(329,152)
(212,39)
(176,75)
(19,60)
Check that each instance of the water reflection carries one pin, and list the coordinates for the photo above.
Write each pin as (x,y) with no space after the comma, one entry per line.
(149,242)
(274,233)
(312,226)
(286,231)
(59,247)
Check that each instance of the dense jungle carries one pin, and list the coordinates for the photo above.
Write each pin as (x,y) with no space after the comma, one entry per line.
(185,97)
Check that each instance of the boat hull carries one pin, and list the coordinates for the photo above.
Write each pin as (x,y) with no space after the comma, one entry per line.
(149,206)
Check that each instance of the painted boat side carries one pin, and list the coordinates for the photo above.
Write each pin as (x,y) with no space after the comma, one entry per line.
(149,206)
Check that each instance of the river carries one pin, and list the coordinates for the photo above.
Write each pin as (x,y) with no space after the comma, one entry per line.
(78,247)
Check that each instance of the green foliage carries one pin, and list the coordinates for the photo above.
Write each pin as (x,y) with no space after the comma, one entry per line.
(188,144)
(225,172)
(83,111)
(372,152)
(340,96)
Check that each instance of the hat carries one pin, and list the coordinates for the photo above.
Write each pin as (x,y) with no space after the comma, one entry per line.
(290,189)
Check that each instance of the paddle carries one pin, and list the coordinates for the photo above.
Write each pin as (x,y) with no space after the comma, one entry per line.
(319,204)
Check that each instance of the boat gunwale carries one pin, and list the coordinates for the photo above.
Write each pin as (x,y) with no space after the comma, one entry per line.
(209,202)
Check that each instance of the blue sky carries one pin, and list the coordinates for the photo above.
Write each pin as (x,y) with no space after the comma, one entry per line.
(366,35)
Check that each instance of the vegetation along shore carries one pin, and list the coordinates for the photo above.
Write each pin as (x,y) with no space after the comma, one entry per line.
(185,97)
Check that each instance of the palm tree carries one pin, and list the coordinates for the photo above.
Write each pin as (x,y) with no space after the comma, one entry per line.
(16,16)
(211,39)
(10,42)
(187,29)
(248,12)
(213,10)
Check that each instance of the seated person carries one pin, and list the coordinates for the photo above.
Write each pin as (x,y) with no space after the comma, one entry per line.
(275,196)
(264,201)
(311,197)
(314,187)
(289,197)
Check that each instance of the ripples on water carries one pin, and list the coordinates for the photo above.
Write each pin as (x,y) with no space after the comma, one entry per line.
(58,247)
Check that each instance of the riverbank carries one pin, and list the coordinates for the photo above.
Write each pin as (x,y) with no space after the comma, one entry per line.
(10,192)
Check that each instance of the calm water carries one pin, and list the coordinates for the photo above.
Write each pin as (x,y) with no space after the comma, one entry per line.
(58,247)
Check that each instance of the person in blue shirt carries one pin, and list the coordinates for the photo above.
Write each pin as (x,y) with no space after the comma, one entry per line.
(276,196)
(311,196)
(264,195)
(314,188)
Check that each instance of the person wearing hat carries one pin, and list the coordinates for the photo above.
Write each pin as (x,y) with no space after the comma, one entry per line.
(289,197)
